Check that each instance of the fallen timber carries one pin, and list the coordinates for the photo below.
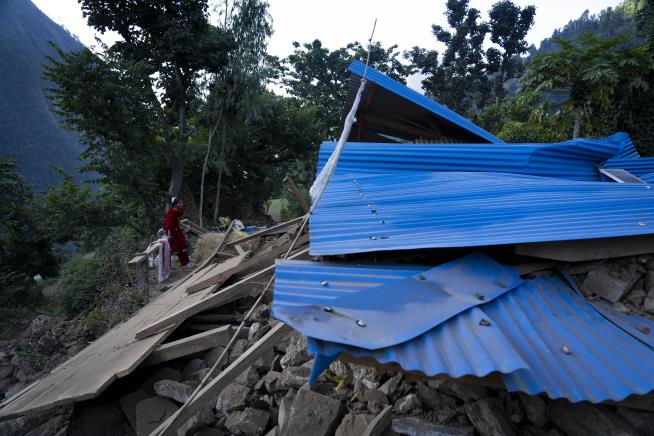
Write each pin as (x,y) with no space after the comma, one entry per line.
(124,348)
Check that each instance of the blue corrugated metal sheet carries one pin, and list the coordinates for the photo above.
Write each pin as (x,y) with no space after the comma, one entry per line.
(395,87)
(441,350)
(573,160)
(638,166)
(436,210)
(419,303)
(542,337)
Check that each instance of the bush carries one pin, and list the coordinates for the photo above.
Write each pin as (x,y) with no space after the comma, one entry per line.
(87,280)
(518,132)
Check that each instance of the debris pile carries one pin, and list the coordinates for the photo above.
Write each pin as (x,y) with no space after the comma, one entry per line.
(450,284)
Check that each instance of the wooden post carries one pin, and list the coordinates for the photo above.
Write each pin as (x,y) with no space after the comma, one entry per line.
(296,193)
(140,265)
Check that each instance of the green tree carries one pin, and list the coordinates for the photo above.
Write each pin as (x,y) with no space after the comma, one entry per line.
(175,42)
(111,101)
(317,76)
(592,72)
(462,77)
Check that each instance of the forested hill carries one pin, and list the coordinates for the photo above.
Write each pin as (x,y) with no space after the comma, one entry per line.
(608,23)
(28,130)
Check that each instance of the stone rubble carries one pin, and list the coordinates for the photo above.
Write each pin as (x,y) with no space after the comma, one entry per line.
(273,397)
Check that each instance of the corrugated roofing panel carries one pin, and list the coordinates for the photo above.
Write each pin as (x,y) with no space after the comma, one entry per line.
(395,87)
(542,337)
(437,210)
(638,167)
(446,349)
(573,160)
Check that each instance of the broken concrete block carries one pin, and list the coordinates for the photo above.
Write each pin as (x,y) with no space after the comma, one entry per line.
(535,408)
(465,391)
(231,398)
(641,420)
(151,412)
(284,412)
(591,419)
(294,377)
(390,387)
(250,422)
(406,404)
(434,400)
(239,348)
(637,297)
(296,352)
(128,404)
(202,418)
(165,373)
(313,414)
(249,377)
(209,431)
(367,375)
(193,366)
(376,400)
(353,425)
(270,381)
(610,281)
(177,391)
(418,427)
(489,417)
(211,356)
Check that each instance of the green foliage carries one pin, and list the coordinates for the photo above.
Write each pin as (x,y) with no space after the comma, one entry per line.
(595,73)
(87,280)
(466,75)
(607,24)
(519,131)
(318,77)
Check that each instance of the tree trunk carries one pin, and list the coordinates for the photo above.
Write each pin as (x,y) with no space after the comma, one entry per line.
(221,158)
(177,156)
(577,130)
(204,172)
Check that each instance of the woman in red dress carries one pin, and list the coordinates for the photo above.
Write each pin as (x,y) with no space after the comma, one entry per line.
(174,232)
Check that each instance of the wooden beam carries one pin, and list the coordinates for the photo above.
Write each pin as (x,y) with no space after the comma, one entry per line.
(589,249)
(255,263)
(227,376)
(220,275)
(267,231)
(190,345)
(225,295)
(398,126)
(290,184)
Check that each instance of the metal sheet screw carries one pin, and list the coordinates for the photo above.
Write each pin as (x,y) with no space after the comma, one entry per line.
(500,283)
(566,350)
(480,297)
(373,238)
(324,283)
(644,329)
(642,223)
(382,222)
(484,322)
(360,323)
(328,309)
(421,277)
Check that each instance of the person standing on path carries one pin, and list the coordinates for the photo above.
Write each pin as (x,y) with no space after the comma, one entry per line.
(174,232)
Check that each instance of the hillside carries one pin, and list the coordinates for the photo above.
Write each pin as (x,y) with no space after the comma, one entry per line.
(608,23)
(28,130)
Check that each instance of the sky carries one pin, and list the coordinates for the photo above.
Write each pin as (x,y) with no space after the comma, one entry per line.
(406,23)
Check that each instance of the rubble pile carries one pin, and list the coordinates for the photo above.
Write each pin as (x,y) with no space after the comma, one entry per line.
(273,397)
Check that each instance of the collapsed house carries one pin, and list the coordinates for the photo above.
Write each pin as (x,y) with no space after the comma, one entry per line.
(437,251)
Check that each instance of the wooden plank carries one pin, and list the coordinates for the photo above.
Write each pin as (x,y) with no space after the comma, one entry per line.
(116,354)
(589,249)
(201,302)
(379,424)
(192,344)
(245,267)
(296,193)
(228,375)
(267,231)
(220,275)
